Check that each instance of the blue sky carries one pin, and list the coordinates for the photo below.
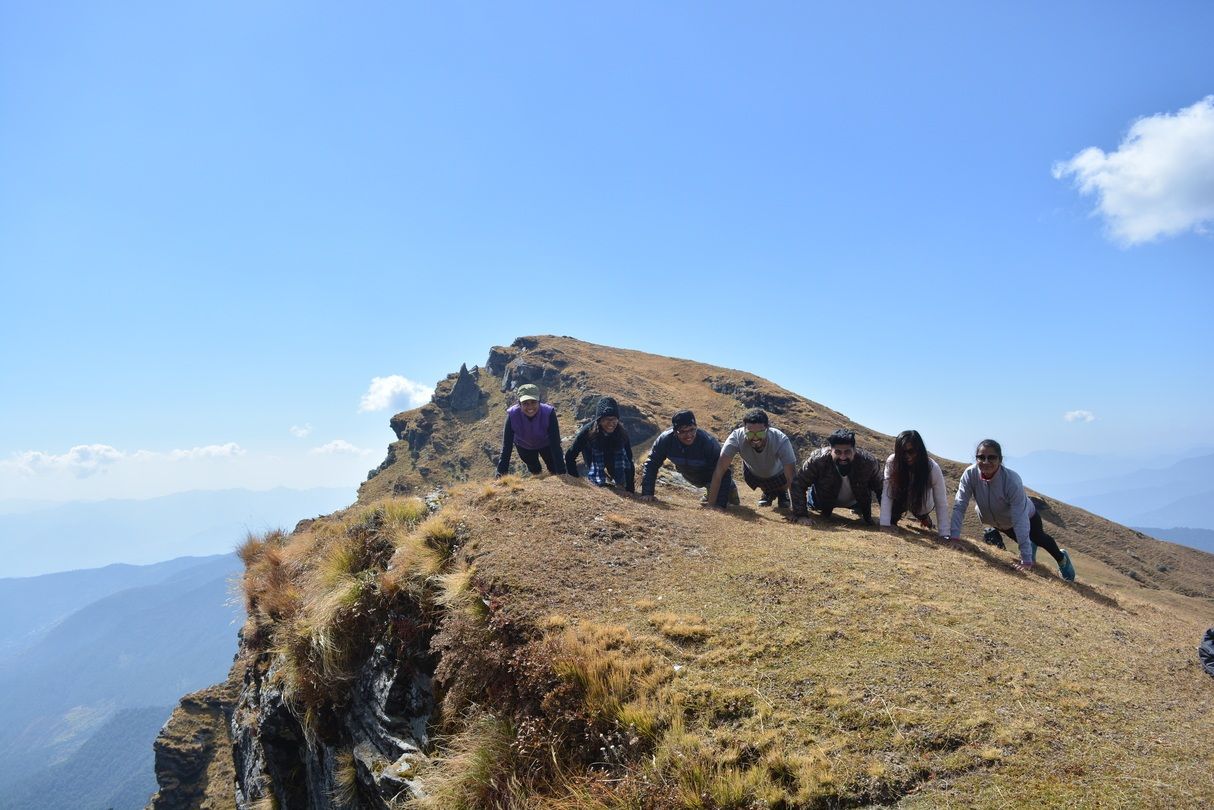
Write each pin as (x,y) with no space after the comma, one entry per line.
(222,221)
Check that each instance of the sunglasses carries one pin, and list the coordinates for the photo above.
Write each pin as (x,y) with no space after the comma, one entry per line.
(981,457)
(686,431)
(756,434)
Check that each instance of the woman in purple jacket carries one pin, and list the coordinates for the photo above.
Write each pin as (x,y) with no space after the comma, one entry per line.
(531,426)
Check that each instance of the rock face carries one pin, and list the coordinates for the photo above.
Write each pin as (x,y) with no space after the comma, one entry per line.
(362,756)
(466,395)
(194,752)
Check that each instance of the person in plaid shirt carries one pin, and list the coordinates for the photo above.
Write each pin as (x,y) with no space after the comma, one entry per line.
(605,447)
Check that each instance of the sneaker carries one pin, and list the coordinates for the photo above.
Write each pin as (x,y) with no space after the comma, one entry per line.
(784,502)
(992,537)
(764,501)
(1066,568)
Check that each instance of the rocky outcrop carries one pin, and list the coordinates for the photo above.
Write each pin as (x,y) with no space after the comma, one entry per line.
(460,391)
(361,756)
(194,752)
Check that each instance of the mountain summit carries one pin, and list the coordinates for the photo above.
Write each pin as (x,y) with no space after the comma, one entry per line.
(450,641)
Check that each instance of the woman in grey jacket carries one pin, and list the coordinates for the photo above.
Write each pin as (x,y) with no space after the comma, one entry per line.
(1002,504)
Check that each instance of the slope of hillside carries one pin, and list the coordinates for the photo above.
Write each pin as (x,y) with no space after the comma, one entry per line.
(32,606)
(113,769)
(139,647)
(591,650)
(537,642)
(439,444)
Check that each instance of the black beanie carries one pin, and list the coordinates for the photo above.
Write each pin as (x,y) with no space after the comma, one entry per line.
(606,407)
(683,419)
(842,436)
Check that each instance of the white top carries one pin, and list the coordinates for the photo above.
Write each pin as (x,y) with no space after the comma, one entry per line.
(768,464)
(936,497)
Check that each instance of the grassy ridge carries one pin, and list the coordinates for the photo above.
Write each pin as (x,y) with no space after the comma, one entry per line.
(595,651)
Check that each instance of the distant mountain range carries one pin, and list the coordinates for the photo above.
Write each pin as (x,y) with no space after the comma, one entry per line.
(92,664)
(36,538)
(1175,494)
(1193,538)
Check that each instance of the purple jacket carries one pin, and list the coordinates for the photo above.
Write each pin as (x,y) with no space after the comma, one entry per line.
(542,431)
(530,434)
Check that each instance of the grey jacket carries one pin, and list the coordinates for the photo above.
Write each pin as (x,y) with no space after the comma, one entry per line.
(1001,503)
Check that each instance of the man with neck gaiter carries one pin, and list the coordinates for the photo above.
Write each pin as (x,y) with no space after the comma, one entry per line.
(837,476)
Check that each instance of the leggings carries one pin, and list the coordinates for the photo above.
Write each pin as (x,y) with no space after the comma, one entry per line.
(1039,538)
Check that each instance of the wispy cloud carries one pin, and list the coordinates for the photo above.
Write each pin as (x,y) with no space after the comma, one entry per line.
(396,392)
(1079,416)
(84,460)
(301,432)
(339,447)
(1159,182)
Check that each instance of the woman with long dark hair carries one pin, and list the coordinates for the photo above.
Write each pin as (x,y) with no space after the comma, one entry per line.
(604,445)
(1004,506)
(914,483)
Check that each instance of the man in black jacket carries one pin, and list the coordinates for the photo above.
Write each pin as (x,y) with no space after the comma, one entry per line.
(693,452)
(837,476)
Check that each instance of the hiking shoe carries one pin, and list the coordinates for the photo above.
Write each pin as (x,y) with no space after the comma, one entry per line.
(1066,568)
(764,501)
(784,502)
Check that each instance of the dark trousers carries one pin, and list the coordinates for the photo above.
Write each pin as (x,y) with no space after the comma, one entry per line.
(772,487)
(1039,538)
(532,459)
(862,507)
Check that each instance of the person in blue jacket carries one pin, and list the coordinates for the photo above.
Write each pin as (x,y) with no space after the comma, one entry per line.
(694,453)
(532,427)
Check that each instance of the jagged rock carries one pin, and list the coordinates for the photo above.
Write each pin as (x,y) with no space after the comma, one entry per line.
(466,394)
(415,427)
(524,370)
(194,752)
(388,461)
(499,356)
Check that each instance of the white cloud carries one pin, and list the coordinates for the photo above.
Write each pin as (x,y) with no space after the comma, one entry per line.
(1159,182)
(394,392)
(210,451)
(81,461)
(84,460)
(338,447)
(301,432)
(1079,416)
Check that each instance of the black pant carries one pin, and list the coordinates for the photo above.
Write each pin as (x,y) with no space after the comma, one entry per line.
(1038,537)
(863,508)
(532,459)
(772,487)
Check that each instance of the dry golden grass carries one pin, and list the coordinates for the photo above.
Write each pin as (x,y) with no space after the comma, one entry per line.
(829,667)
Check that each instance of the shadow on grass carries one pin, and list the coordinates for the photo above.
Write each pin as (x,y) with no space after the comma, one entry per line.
(993,558)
